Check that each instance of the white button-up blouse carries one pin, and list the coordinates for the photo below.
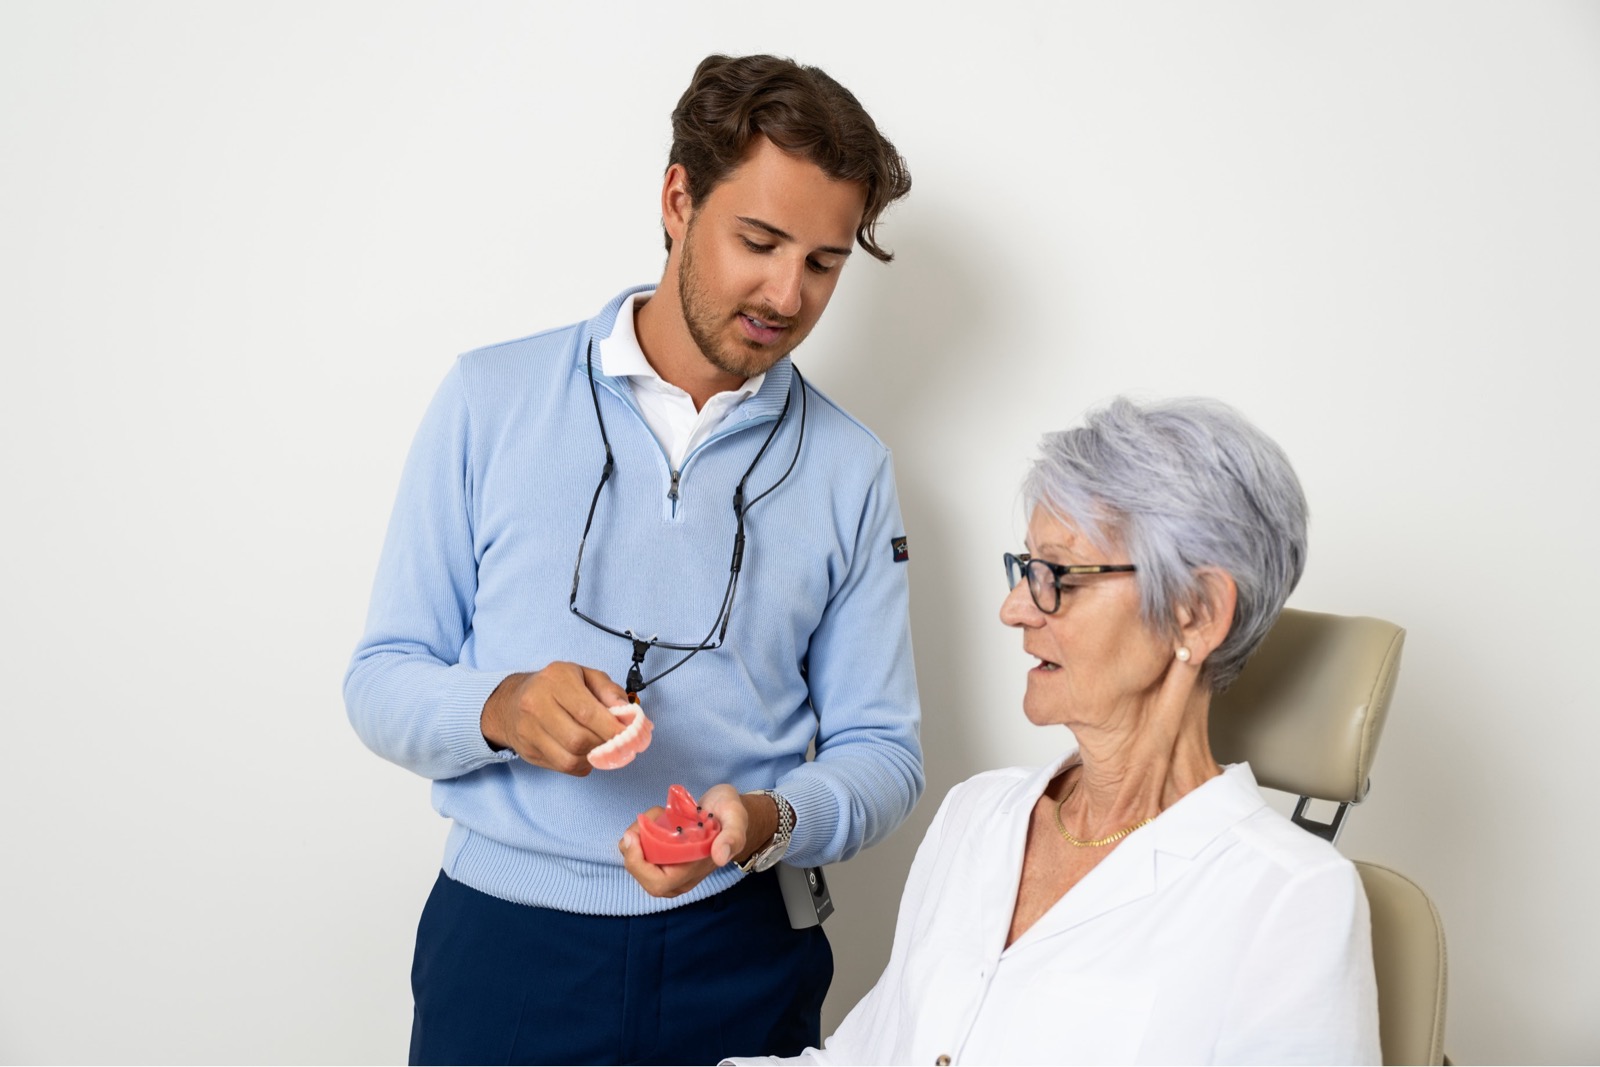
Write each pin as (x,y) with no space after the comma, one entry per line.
(1219,933)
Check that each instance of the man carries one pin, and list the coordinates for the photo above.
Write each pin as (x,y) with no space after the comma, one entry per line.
(655,495)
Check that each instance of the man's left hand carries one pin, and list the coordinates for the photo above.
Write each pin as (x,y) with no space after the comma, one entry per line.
(748,823)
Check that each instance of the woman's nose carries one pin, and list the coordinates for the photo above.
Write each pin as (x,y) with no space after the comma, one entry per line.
(1018,608)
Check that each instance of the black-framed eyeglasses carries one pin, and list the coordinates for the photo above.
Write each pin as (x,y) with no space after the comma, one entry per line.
(741,507)
(1045,579)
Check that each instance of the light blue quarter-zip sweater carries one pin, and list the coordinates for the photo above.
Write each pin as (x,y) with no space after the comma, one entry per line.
(474,581)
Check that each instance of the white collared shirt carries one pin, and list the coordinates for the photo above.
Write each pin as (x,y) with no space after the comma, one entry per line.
(668,410)
(1219,933)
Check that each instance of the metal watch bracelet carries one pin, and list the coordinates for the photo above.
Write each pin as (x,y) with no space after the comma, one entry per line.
(768,856)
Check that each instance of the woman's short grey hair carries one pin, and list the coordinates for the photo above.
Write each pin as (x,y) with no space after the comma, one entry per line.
(1183,484)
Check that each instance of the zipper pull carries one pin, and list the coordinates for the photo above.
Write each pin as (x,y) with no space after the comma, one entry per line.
(672,491)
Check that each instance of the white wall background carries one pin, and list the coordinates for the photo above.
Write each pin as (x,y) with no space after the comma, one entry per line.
(240,243)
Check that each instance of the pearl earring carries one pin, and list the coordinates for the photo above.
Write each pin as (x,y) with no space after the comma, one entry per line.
(1183,654)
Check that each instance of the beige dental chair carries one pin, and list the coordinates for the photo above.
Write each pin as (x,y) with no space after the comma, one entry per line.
(1306,714)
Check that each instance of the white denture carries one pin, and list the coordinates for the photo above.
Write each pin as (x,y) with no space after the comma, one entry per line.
(621,749)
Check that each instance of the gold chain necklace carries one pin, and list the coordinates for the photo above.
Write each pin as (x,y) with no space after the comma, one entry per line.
(1099,841)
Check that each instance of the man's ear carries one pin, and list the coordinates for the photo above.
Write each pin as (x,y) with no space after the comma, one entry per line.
(1204,624)
(677,206)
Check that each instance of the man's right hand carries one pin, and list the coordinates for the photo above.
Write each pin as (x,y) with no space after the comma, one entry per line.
(553,717)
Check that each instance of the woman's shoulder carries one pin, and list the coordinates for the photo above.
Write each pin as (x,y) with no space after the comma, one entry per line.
(999,776)
(1286,846)
(1276,840)
(995,794)
(975,823)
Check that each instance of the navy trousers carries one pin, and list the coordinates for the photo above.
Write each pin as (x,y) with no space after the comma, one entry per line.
(496,982)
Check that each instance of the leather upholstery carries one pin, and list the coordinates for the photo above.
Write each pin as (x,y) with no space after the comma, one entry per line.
(1409,954)
(1308,710)
(1306,714)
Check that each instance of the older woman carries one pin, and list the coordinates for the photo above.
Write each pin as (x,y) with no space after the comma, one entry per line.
(1132,901)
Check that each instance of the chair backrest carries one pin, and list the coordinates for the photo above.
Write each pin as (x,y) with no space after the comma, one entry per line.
(1308,710)
(1408,954)
(1306,714)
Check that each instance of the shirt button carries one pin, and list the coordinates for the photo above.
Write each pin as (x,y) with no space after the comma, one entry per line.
(942,1061)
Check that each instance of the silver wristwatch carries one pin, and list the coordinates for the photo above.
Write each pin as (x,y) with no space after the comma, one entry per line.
(765,858)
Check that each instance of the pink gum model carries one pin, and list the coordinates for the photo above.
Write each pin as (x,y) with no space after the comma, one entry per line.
(681,834)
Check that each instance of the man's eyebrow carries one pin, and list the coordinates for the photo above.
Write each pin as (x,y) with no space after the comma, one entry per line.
(784,235)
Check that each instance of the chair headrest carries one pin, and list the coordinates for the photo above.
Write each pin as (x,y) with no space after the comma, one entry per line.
(1307,711)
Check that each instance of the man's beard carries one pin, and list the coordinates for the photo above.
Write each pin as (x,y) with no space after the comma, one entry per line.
(705,322)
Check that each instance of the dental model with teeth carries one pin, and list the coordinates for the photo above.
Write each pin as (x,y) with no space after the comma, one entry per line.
(654,503)
(1129,900)
(633,739)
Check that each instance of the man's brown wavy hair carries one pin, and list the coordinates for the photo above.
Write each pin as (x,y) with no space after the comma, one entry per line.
(733,99)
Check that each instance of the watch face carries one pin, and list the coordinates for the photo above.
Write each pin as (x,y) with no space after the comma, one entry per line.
(769,856)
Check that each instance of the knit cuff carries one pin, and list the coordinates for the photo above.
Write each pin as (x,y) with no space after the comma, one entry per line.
(461,718)
(816,815)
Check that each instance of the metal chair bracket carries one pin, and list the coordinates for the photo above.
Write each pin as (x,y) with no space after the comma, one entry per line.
(1328,831)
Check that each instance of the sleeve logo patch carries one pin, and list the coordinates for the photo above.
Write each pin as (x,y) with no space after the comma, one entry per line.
(901,552)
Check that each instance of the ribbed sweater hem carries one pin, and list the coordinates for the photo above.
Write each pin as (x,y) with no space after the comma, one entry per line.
(570,885)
